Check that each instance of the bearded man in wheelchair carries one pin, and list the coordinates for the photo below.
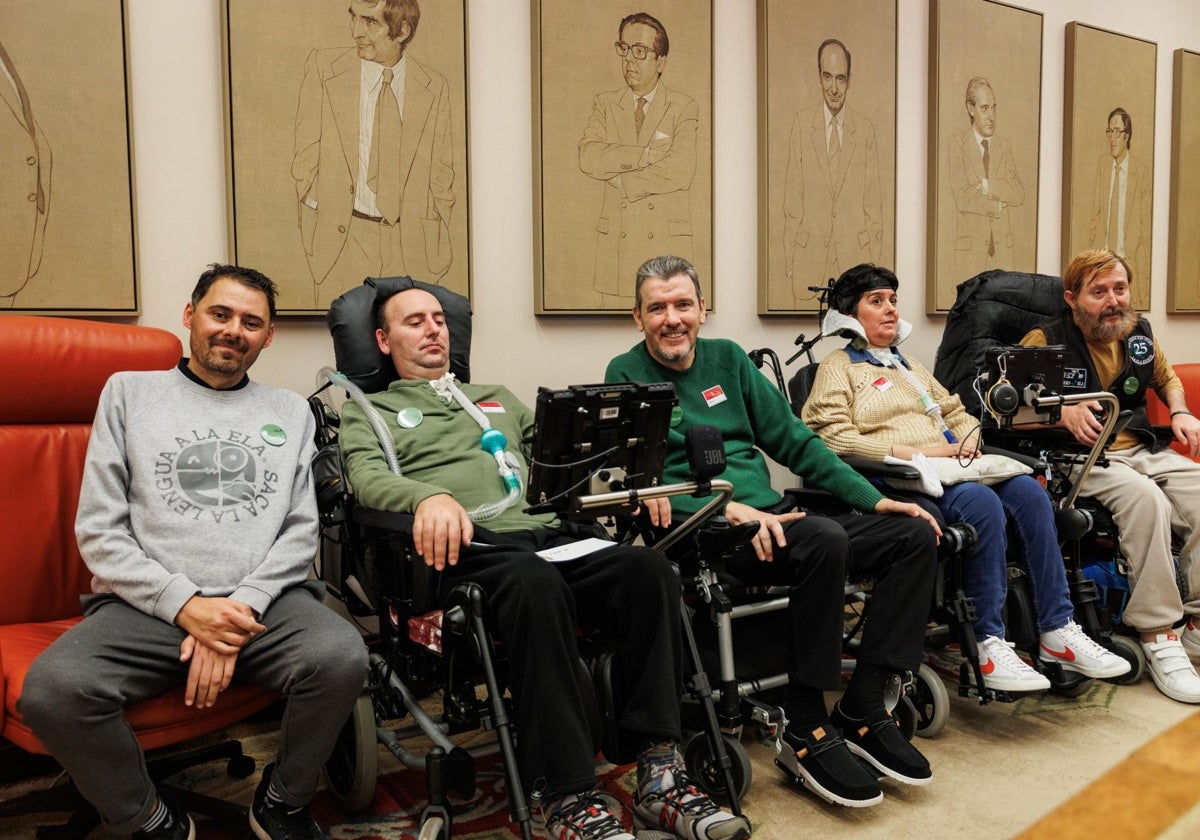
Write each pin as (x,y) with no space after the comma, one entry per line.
(1152,491)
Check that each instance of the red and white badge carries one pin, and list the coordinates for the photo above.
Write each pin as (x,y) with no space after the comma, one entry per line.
(714,395)
(490,407)
(882,383)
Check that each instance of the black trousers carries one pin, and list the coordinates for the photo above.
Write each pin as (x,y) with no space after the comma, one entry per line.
(535,607)
(897,552)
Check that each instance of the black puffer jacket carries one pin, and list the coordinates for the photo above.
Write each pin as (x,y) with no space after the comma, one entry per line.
(992,308)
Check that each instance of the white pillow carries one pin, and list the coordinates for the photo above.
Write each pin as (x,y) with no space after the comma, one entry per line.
(936,472)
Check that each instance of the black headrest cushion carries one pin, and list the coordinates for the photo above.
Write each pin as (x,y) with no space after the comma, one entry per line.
(351,320)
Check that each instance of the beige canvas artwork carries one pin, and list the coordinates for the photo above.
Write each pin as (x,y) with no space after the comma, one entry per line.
(623,147)
(827,135)
(67,238)
(1183,264)
(347,143)
(984,129)
(1108,149)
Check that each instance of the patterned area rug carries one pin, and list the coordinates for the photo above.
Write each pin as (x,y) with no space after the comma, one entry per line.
(394,813)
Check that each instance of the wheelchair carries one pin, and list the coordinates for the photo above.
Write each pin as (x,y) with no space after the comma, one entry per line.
(745,692)
(369,562)
(996,309)
(952,613)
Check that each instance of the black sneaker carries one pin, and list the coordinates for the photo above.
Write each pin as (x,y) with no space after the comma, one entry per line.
(279,822)
(820,760)
(179,827)
(878,741)
(584,816)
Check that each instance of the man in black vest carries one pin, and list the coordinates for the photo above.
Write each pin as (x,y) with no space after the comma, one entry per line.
(1150,489)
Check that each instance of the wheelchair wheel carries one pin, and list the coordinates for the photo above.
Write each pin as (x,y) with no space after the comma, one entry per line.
(1129,650)
(433,828)
(1073,689)
(931,702)
(353,765)
(702,769)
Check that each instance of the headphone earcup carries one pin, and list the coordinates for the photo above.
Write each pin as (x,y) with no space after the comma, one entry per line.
(1002,398)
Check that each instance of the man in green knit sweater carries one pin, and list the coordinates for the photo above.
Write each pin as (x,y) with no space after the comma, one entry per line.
(449,483)
(718,385)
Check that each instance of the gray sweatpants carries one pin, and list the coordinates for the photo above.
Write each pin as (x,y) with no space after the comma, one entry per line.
(76,690)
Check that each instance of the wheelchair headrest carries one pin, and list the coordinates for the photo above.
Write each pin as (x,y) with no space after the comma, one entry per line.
(351,320)
(992,308)
(800,386)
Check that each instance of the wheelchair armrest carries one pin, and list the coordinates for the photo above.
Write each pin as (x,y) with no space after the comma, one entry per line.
(1035,463)
(819,500)
(868,468)
(385,520)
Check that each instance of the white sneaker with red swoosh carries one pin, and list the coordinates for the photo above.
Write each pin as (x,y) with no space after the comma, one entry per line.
(1076,651)
(1003,670)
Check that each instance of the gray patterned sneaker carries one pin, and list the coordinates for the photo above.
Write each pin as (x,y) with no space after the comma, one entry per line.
(584,816)
(666,801)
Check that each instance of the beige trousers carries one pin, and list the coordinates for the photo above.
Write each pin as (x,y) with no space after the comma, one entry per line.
(1151,496)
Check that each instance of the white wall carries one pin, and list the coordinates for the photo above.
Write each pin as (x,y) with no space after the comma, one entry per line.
(179,166)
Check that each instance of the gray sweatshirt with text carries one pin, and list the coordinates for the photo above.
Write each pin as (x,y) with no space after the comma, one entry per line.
(189,490)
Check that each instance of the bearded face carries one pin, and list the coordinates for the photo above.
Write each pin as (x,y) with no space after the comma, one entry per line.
(1109,324)
(1103,307)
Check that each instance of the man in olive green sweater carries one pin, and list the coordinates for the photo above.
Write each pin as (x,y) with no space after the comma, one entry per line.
(449,482)
(718,385)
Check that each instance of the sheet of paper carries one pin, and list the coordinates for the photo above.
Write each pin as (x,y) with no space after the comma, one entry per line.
(575,550)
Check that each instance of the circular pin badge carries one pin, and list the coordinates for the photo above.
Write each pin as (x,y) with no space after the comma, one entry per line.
(273,435)
(1131,385)
(676,416)
(410,417)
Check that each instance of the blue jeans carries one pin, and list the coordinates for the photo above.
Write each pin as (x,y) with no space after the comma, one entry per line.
(1022,502)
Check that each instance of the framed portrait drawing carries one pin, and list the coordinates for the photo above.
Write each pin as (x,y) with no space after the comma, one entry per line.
(984,129)
(622,158)
(827,145)
(1183,255)
(347,144)
(68,243)
(1108,149)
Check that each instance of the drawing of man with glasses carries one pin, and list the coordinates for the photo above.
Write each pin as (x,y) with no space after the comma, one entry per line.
(640,141)
(1121,194)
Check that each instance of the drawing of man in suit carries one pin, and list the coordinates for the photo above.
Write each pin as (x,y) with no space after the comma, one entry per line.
(1122,191)
(984,179)
(374,162)
(25,162)
(832,204)
(641,142)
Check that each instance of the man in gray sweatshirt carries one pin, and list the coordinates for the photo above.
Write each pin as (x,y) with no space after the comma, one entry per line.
(198,522)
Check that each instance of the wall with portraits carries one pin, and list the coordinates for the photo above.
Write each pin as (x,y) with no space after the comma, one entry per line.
(179,168)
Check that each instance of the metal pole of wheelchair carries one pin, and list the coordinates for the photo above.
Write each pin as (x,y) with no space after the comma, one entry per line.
(1113,407)
(701,688)
(720,486)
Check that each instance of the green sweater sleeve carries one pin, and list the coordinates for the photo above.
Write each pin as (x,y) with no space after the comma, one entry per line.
(374,483)
(723,389)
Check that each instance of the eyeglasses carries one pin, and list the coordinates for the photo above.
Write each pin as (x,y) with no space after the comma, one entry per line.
(639,51)
(1113,132)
